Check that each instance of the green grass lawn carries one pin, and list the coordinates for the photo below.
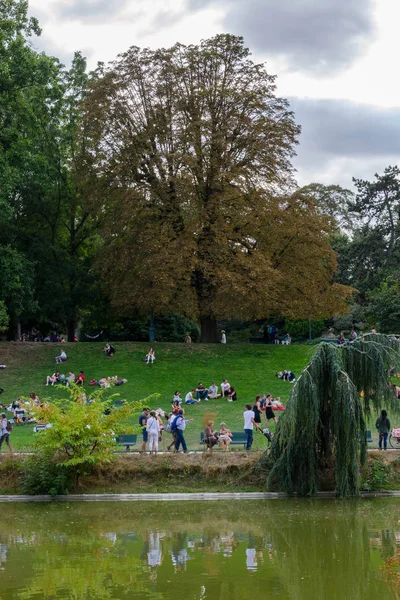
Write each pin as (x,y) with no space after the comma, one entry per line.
(250,368)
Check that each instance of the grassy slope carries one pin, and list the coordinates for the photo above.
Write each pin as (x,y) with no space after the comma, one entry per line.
(250,368)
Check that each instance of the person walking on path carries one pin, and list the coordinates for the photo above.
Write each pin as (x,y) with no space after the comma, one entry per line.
(249,424)
(5,431)
(153,431)
(383,426)
(180,426)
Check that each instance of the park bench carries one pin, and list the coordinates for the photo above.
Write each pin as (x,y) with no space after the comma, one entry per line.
(127,440)
(41,427)
(239,438)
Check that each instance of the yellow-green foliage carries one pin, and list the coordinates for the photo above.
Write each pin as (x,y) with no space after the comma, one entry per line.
(83,429)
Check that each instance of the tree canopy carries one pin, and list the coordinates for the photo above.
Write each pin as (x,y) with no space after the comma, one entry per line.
(192,153)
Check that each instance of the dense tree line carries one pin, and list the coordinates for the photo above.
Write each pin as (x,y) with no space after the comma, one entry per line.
(163,183)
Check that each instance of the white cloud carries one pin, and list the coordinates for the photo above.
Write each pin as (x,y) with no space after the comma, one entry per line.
(369,78)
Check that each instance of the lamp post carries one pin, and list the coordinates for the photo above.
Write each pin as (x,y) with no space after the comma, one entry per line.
(151,328)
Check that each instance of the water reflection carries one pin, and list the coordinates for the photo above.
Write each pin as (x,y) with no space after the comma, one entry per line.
(287,549)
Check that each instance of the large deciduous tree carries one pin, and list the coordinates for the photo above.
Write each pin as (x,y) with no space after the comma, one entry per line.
(192,151)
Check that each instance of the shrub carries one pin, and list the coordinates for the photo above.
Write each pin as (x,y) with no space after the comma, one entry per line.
(84,429)
(42,474)
(376,475)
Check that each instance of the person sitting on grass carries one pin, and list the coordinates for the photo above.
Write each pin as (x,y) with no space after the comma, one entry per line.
(53,379)
(213,391)
(225,436)
(341,339)
(177,397)
(175,407)
(232,396)
(70,378)
(109,350)
(201,392)
(225,386)
(210,436)
(150,356)
(287,340)
(190,399)
(80,380)
(20,414)
(61,358)
(35,399)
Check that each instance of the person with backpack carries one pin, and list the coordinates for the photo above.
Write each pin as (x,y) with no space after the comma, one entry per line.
(5,431)
(178,426)
(383,426)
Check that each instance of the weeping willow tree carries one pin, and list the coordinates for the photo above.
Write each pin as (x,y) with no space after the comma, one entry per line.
(324,421)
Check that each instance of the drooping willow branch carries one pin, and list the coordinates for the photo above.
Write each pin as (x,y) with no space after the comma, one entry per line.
(325,415)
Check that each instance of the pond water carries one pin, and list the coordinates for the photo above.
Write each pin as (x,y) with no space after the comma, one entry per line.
(310,549)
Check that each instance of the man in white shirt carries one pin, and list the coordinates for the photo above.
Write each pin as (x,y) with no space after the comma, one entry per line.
(223,337)
(225,387)
(249,424)
(189,399)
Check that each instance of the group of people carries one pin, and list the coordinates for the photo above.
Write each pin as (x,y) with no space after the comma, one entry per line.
(35,335)
(58,378)
(286,376)
(200,393)
(353,336)
(271,336)
(152,427)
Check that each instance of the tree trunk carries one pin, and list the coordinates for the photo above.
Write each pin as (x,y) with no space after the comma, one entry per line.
(71,330)
(208,330)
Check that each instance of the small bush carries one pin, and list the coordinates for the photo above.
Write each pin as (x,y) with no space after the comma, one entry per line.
(376,475)
(44,475)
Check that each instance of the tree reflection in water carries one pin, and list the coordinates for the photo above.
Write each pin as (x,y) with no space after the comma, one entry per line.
(297,550)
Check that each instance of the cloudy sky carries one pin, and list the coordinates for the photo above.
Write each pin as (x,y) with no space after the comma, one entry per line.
(336,61)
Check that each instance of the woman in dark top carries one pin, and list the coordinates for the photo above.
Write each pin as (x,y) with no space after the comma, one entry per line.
(257,410)
(210,436)
(269,413)
(232,394)
(383,426)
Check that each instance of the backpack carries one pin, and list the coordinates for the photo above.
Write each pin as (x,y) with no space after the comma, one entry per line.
(8,427)
(174,424)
